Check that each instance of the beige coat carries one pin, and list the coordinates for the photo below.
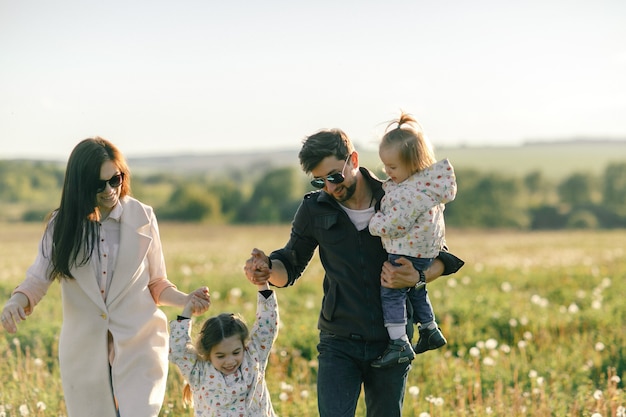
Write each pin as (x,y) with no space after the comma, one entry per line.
(138,374)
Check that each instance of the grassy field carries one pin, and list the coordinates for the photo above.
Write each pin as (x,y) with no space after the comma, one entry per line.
(535,324)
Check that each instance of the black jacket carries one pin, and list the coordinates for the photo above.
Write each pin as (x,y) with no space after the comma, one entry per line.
(352,262)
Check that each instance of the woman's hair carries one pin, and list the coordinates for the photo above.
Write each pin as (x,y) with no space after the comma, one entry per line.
(214,330)
(325,143)
(75,232)
(408,138)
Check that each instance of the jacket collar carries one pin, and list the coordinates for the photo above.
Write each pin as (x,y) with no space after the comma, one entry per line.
(135,239)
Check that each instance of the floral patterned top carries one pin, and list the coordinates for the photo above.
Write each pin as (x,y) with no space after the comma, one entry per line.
(243,393)
(410,221)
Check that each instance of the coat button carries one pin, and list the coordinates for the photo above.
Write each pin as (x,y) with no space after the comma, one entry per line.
(104,316)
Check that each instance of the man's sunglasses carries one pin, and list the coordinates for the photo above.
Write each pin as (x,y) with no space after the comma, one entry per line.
(336,178)
(115,181)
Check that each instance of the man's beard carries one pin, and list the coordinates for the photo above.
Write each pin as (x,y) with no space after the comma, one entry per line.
(350,190)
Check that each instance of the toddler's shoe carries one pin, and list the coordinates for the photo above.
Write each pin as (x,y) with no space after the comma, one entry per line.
(429,339)
(398,351)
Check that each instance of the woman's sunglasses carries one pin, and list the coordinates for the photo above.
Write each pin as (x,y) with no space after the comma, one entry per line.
(115,181)
(336,178)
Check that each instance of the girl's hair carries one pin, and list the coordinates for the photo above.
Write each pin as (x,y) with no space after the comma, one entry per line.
(409,139)
(214,330)
(75,232)
(325,143)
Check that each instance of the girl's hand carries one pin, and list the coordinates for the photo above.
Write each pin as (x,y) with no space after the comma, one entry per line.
(257,267)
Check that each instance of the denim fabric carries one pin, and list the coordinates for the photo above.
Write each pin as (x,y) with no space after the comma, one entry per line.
(344,367)
(394,300)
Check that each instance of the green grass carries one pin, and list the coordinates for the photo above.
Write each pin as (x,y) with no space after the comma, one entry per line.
(535,323)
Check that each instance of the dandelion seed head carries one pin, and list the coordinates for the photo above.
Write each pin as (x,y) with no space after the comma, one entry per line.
(451,282)
(424,414)
(304,394)
(540,380)
(286,387)
(521,344)
(41,406)
(489,361)
(528,335)
(597,395)
(235,292)
(599,347)
(615,379)
(513,323)
(309,304)
(474,352)
(414,391)
(506,287)
(283,396)
(573,308)
(596,415)
(523,320)
(505,348)
(491,344)
(23,409)
(466,280)
(621,411)
(38,362)
(532,374)
(480,344)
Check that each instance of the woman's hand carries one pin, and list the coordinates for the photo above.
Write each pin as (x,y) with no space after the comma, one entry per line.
(14,312)
(199,301)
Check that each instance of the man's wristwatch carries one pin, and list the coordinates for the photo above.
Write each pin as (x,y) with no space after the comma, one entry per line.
(422,280)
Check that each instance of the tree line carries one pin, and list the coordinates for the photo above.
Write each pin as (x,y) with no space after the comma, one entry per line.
(29,190)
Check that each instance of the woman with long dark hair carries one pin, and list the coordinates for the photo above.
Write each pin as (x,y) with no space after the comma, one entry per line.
(104,248)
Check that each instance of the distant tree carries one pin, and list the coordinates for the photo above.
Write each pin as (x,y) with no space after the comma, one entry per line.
(614,190)
(491,201)
(540,191)
(191,203)
(577,189)
(230,196)
(275,197)
(547,218)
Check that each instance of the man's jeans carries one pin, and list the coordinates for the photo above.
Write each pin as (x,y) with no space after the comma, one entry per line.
(344,366)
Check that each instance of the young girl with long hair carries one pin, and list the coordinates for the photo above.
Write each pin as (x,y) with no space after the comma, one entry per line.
(225,367)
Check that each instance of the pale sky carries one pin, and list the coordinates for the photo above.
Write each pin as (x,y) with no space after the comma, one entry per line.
(161,77)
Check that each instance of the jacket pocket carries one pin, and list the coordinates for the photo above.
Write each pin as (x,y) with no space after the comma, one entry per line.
(327,228)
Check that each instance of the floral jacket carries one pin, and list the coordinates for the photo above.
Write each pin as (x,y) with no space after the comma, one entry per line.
(410,221)
(243,393)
